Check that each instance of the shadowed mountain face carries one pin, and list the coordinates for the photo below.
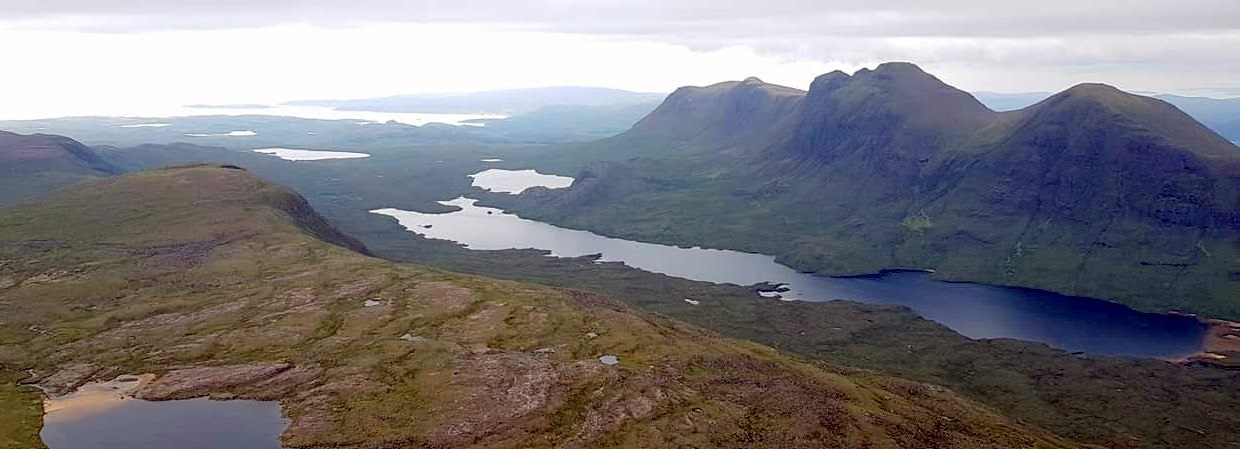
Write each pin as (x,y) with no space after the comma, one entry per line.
(206,276)
(34,164)
(1093,191)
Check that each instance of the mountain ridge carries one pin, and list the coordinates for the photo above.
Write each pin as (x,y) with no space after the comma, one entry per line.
(36,163)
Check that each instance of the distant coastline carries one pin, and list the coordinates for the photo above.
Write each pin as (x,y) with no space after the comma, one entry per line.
(228,106)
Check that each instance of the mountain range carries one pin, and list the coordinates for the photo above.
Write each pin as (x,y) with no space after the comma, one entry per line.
(1092,191)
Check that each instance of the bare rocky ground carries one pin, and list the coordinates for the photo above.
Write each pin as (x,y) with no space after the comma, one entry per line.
(265,311)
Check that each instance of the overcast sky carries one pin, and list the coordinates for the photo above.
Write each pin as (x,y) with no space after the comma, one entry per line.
(112,56)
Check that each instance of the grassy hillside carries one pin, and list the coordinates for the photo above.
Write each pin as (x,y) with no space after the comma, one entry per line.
(204,276)
(21,414)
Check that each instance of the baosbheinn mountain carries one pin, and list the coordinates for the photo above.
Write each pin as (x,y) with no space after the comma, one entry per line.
(31,165)
(1092,192)
(1220,114)
(223,285)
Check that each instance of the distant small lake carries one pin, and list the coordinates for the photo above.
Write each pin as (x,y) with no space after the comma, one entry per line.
(516,181)
(239,133)
(292,154)
(102,417)
(974,310)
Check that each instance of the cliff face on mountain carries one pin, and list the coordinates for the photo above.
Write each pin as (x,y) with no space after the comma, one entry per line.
(1093,191)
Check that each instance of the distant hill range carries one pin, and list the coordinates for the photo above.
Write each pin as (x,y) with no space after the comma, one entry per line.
(510,102)
(1220,114)
(1092,191)
(34,164)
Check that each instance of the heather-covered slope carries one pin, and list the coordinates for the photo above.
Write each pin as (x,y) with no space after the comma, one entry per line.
(31,165)
(205,277)
(1092,192)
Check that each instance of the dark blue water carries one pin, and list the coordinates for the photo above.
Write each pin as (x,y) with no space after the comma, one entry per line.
(985,311)
(189,424)
(977,311)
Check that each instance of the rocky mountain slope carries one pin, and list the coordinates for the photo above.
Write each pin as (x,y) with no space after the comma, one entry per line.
(1092,192)
(33,164)
(206,277)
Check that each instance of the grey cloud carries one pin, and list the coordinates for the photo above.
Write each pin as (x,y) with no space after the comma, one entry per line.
(719,19)
(1086,36)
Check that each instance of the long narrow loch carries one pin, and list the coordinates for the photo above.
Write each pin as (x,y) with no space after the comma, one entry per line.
(978,311)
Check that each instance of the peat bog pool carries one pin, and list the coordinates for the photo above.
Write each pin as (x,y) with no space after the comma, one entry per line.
(1071,323)
(104,416)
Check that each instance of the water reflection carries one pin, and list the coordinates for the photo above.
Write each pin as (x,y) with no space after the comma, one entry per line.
(104,416)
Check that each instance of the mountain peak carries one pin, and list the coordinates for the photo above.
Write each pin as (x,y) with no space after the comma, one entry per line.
(1162,118)
(721,111)
(829,81)
(896,96)
(899,68)
(1096,90)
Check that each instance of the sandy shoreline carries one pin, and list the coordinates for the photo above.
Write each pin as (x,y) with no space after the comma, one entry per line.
(93,397)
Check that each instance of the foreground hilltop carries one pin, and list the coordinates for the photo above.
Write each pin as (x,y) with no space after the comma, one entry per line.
(1093,192)
(207,277)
